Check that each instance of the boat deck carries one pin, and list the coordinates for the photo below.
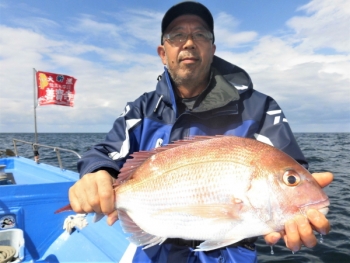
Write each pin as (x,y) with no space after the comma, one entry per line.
(26,171)
(31,203)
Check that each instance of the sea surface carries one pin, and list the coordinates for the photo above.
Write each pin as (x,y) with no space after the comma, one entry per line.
(324,151)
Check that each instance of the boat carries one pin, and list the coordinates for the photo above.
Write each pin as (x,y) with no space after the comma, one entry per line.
(31,231)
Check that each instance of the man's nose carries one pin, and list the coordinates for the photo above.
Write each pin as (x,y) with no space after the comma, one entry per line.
(189,43)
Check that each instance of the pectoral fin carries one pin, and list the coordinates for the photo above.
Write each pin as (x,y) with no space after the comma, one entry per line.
(138,236)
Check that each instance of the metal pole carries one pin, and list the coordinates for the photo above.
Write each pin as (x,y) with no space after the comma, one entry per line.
(35,104)
(58,157)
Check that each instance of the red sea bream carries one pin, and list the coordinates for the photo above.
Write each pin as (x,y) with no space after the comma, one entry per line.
(218,189)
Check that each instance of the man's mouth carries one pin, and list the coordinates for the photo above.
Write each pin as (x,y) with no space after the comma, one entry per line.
(188,59)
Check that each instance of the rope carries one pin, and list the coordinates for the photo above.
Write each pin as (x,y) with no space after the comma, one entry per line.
(74,221)
(6,253)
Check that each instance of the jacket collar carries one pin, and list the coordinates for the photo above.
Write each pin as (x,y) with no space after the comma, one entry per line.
(218,93)
(226,83)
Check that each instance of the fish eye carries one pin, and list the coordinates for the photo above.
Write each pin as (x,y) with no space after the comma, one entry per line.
(291,178)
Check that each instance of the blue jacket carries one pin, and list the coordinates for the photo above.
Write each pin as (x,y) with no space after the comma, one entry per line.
(228,106)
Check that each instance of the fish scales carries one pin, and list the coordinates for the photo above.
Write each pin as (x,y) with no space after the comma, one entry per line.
(213,190)
(174,191)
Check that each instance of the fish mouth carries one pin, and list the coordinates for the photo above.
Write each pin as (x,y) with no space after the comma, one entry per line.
(324,210)
(321,206)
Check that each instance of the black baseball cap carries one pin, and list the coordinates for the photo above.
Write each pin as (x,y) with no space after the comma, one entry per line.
(188,8)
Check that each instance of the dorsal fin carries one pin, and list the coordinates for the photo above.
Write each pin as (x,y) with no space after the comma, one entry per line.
(138,158)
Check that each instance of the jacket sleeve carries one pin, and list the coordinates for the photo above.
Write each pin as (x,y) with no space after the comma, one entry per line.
(111,154)
(275,130)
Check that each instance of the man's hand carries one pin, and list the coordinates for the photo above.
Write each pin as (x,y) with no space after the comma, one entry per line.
(299,231)
(94,193)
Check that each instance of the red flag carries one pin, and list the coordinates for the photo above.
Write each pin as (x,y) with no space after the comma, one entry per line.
(55,89)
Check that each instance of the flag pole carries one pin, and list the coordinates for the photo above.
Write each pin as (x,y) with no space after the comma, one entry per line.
(35,105)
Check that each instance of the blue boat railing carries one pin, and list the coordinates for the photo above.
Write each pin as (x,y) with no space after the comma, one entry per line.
(36,146)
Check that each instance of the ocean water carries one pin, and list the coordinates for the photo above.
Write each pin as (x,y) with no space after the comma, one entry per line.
(324,151)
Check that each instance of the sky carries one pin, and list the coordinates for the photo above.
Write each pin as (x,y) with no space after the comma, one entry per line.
(297,52)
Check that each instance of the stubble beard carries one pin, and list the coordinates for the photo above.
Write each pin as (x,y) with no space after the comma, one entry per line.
(189,77)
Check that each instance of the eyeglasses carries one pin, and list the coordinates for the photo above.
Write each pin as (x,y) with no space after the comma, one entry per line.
(178,38)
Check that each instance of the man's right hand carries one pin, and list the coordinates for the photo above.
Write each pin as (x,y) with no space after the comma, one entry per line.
(94,193)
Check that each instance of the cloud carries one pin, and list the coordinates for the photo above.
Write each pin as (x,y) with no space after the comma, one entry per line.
(37,24)
(311,89)
(142,25)
(114,59)
(311,85)
(103,86)
(325,25)
(227,34)
(127,29)
(89,26)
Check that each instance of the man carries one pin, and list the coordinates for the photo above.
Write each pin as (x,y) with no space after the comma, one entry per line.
(198,94)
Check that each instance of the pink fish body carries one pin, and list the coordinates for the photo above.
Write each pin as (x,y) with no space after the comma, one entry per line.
(217,189)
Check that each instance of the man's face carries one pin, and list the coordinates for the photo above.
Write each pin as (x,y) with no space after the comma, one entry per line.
(189,62)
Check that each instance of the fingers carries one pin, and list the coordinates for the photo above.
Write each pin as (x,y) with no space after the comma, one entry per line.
(319,222)
(74,198)
(106,195)
(323,179)
(93,193)
(112,217)
(291,237)
(272,238)
(300,230)
(89,198)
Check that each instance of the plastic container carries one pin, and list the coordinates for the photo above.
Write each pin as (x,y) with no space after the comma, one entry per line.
(14,238)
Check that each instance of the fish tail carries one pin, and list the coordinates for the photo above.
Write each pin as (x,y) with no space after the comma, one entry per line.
(63,209)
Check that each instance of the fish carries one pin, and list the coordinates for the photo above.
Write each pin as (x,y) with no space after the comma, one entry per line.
(219,189)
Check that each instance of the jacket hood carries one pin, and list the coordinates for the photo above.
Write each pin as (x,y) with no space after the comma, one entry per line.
(235,75)
(232,76)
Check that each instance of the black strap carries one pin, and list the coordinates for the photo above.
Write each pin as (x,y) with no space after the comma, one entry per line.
(247,243)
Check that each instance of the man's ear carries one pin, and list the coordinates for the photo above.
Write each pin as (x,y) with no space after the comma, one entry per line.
(161,53)
(213,52)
